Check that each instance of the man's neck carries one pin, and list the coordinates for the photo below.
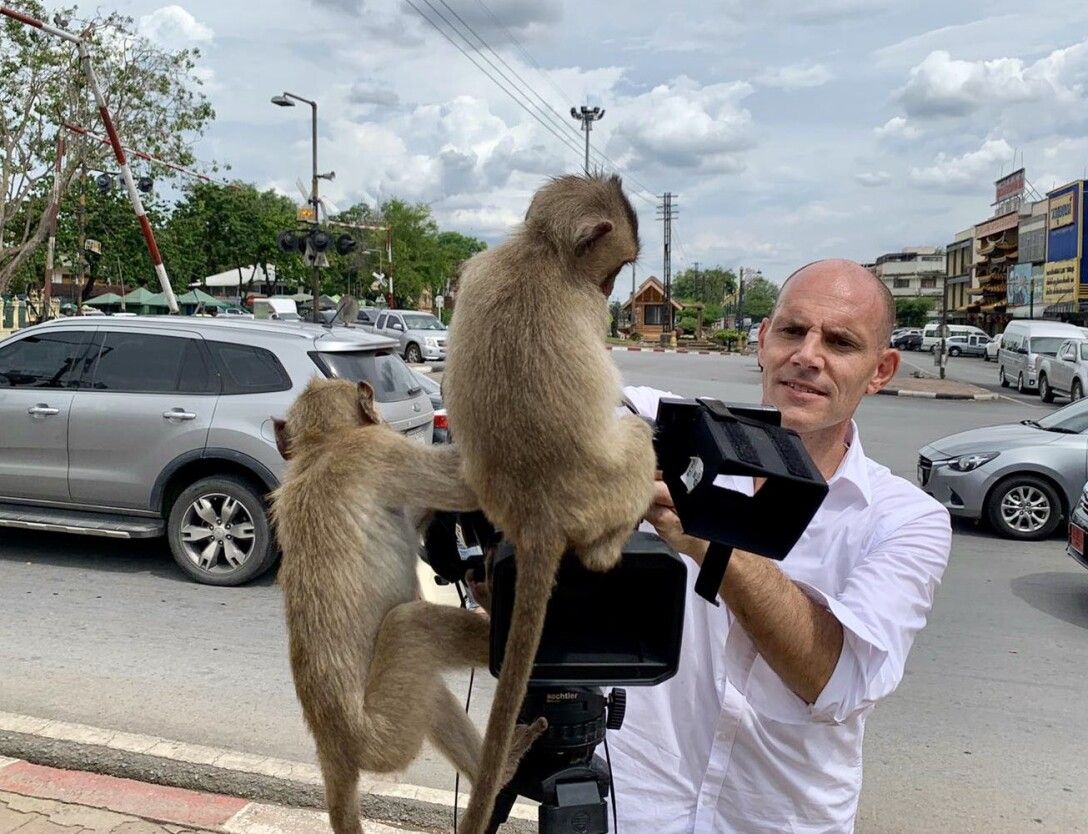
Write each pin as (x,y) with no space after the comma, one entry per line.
(827,447)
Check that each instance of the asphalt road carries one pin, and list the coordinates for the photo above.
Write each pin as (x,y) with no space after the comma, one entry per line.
(976,371)
(986,734)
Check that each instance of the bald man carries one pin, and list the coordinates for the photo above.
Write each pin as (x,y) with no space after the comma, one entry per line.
(761,729)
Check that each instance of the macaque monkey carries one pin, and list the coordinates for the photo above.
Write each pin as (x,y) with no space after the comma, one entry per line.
(366,652)
(532,395)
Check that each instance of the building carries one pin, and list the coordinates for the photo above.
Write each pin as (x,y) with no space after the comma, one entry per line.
(997,251)
(1065,294)
(644,311)
(913,272)
(1025,285)
(959,274)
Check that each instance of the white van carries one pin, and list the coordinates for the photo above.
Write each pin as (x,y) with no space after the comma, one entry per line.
(1024,344)
(281,309)
(931,333)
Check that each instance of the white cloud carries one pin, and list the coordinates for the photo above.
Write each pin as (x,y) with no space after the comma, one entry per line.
(833,11)
(944,86)
(897,128)
(972,169)
(873,179)
(684,125)
(371,92)
(796,76)
(174,27)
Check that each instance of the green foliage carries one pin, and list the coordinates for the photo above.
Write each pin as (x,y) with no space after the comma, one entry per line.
(688,323)
(710,286)
(154,99)
(634,336)
(912,312)
(727,338)
(759,298)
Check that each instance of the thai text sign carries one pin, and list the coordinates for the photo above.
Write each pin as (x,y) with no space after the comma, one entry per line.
(1061,282)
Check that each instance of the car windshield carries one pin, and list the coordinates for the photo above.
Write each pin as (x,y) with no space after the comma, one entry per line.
(422,322)
(1073,419)
(387,374)
(426,383)
(290,317)
(1047,345)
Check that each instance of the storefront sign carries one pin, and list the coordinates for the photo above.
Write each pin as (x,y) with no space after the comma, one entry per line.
(1061,211)
(1061,282)
(998,224)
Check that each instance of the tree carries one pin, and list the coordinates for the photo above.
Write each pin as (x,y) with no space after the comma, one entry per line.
(710,286)
(152,95)
(760,296)
(912,312)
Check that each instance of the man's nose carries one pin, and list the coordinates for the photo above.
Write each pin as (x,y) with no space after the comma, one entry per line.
(808,353)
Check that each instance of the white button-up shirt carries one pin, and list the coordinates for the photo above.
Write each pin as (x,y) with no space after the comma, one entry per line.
(725,745)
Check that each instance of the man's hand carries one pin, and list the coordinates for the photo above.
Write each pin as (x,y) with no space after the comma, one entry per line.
(662,515)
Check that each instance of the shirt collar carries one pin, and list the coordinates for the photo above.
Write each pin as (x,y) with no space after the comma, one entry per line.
(854,467)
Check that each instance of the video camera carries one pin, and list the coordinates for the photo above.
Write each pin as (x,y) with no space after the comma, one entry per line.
(624,627)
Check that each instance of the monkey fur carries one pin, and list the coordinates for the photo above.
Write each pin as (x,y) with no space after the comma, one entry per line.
(531,393)
(366,653)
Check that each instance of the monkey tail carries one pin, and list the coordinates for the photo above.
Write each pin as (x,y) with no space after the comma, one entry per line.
(537,565)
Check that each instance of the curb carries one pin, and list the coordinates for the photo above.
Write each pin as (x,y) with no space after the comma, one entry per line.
(935,395)
(674,350)
(173,806)
(211,770)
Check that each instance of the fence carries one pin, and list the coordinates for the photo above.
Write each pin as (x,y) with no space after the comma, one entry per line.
(16,314)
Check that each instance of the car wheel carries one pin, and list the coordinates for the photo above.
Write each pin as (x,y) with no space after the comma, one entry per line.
(1020,383)
(1024,507)
(1001,377)
(412,354)
(954,351)
(1077,391)
(1046,393)
(219,532)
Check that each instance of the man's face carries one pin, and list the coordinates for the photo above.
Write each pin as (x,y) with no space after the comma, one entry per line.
(823,350)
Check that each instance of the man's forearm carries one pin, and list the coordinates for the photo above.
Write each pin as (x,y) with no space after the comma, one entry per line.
(798,638)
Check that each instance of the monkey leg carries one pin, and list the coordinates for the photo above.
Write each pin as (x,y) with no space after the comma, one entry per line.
(341,790)
(403,691)
(454,734)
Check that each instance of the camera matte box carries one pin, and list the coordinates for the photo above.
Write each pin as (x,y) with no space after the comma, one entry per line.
(619,628)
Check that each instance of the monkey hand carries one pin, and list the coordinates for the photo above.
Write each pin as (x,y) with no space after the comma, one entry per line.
(662,515)
(524,736)
(481,592)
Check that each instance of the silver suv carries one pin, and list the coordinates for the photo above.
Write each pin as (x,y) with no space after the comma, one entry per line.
(420,335)
(151,426)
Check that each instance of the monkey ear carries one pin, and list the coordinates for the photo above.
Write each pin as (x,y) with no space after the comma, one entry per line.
(282,443)
(368,413)
(589,233)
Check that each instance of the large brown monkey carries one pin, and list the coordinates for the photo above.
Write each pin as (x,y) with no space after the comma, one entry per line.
(366,653)
(532,394)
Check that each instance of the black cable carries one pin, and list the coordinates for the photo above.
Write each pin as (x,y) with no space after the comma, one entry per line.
(468,702)
(612,782)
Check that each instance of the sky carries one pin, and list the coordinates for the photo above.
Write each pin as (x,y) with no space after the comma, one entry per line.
(790,130)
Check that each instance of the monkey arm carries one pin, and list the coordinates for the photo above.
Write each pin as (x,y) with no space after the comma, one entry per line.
(436,481)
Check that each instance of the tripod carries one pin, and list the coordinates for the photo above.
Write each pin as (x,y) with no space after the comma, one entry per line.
(561,771)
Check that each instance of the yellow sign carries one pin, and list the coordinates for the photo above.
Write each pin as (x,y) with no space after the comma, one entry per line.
(305,214)
(1060,210)
(1061,282)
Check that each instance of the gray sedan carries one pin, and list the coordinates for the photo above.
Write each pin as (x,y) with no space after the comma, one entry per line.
(1022,478)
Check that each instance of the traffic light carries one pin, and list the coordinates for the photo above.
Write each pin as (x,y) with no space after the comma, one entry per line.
(145,184)
(104,183)
(290,242)
(345,244)
(319,241)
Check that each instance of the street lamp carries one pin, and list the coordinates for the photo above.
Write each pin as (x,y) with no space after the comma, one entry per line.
(288,100)
(587,116)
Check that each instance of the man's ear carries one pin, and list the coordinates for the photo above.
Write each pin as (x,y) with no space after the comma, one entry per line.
(885,370)
(282,443)
(368,412)
(589,233)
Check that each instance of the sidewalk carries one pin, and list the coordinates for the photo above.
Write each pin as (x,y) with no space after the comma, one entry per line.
(46,800)
(906,385)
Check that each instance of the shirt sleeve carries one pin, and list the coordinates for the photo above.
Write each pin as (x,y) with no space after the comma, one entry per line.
(883,604)
(645,399)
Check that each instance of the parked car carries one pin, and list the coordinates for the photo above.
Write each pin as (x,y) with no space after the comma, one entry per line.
(1066,372)
(1078,524)
(420,335)
(910,339)
(1024,345)
(162,425)
(434,391)
(1021,477)
(278,309)
(931,333)
(367,315)
(236,312)
(972,345)
(992,347)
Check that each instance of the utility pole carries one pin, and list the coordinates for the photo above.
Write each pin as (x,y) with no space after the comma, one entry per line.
(587,116)
(740,298)
(667,211)
(944,323)
(47,289)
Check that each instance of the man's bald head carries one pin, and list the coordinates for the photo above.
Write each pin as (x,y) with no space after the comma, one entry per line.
(870,288)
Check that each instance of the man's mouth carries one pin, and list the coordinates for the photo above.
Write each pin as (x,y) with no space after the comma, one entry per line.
(803,388)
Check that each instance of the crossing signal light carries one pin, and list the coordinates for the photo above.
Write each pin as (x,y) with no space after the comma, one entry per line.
(345,244)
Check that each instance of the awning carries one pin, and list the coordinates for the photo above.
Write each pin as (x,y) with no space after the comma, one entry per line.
(1063,308)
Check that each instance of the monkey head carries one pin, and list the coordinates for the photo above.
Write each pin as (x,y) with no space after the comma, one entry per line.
(588,221)
(325,407)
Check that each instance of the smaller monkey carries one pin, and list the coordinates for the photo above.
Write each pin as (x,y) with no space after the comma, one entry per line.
(366,653)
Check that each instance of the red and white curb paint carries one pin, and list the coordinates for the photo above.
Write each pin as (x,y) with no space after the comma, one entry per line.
(185,753)
(674,350)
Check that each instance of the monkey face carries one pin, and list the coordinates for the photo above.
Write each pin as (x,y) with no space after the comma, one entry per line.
(325,406)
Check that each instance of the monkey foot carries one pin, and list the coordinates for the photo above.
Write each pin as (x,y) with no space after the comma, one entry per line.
(524,736)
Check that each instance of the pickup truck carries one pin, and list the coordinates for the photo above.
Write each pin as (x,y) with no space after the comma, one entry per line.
(1066,372)
(421,336)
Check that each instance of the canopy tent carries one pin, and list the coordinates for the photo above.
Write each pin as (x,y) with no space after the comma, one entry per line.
(198,296)
(142,296)
(105,300)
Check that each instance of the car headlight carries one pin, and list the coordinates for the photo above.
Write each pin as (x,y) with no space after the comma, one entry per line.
(430,342)
(965,463)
